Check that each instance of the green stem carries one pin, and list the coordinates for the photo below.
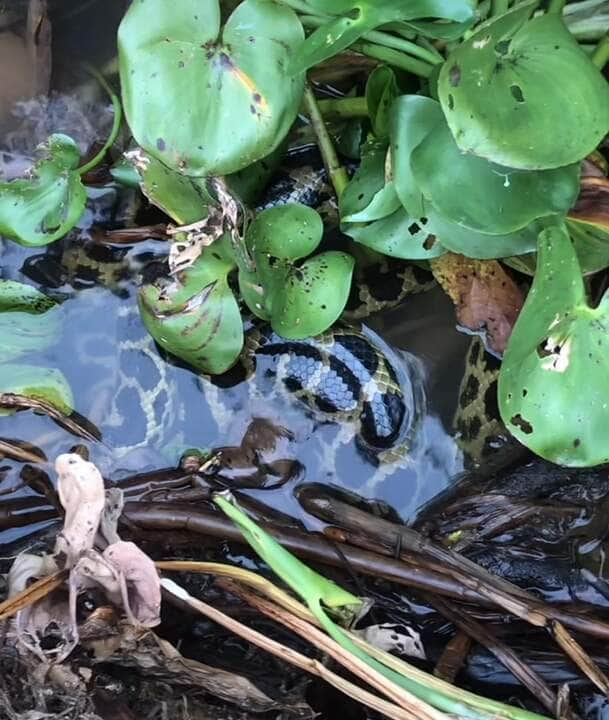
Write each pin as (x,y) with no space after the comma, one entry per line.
(498,7)
(555,7)
(118,114)
(298,5)
(383,38)
(344,107)
(600,56)
(394,58)
(336,172)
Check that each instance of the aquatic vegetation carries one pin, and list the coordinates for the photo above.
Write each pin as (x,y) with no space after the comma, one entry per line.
(471,134)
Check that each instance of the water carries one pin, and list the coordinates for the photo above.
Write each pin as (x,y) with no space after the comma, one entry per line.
(100,320)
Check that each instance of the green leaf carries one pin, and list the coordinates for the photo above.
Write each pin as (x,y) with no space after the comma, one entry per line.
(176,195)
(18,297)
(389,230)
(36,383)
(591,243)
(311,586)
(312,296)
(207,100)
(29,320)
(398,235)
(300,297)
(43,207)
(522,93)
(368,180)
(384,202)
(412,117)
(196,316)
(554,381)
(381,91)
(359,17)
(483,196)
(474,244)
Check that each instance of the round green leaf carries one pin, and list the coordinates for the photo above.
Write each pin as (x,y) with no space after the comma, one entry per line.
(554,379)
(206,100)
(196,317)
(483,196)
(480,245)
(45,206)
(399,236)
(312,297)
(522,93)
(288,232)
(36,383)
(412,117)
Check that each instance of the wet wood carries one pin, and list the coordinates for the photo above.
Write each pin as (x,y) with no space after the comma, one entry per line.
(34,592)
(453,657)
(481,634)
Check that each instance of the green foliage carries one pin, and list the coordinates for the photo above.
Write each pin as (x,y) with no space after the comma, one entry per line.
(36,383)
(357,18)
(522,93)
(196,316)
(29,323)
(300,295)
(553,385)
(39,209)
(206,99)
(485,197)
(29,320)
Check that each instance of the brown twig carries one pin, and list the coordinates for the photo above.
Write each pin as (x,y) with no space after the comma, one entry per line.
(74,423)
(156,516)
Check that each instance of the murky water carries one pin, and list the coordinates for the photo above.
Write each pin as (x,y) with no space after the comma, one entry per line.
(146,402)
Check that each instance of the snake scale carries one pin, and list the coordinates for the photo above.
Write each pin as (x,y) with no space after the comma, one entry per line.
(348,375)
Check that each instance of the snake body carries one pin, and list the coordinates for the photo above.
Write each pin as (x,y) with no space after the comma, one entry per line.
(347,375)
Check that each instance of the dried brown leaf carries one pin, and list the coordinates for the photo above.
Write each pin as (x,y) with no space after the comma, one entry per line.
(487,301)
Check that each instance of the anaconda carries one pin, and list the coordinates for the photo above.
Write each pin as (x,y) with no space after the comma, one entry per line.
(346,376)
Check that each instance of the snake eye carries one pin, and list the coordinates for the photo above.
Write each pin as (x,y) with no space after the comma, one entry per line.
(382,419)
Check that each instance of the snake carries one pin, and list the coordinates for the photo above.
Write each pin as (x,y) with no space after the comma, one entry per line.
(347,375)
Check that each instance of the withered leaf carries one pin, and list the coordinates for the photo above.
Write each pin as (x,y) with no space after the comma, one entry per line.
(487,301)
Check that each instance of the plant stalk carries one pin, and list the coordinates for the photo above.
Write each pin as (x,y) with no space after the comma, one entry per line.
(600,56)
(555,7)
(383,38)
(116,104)
(336,172)
(395,58)
(344,107)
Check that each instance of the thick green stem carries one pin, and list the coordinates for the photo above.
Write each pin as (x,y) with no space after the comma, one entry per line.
(116,104)
(385,39)
(394,58)
(344,107)
(555,7)
(600,56)
(498,7)
(336,172)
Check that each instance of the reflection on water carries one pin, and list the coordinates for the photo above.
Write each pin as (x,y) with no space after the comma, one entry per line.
(149,408)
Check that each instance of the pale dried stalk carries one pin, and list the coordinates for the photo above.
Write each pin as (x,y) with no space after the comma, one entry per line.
(287,654)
